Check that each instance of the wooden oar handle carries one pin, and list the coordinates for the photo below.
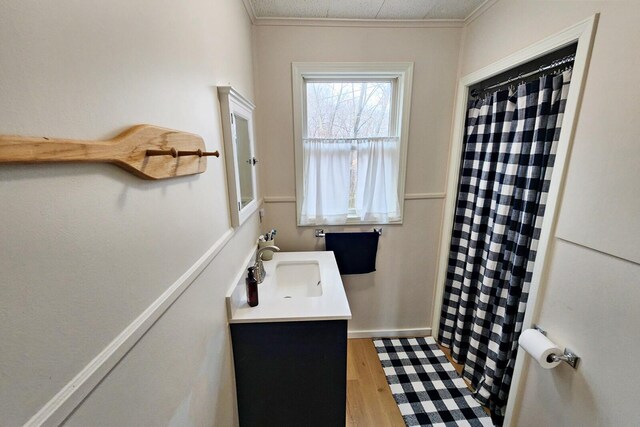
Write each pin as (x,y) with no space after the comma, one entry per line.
(150,152)
(20,149)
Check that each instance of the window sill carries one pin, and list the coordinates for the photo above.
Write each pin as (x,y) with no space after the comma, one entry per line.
(350,223)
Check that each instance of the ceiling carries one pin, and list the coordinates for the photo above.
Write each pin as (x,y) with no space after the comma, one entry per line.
(367,9)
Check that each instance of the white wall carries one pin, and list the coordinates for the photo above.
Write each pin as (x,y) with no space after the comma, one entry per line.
(589,297)
(86,248)
(399,294)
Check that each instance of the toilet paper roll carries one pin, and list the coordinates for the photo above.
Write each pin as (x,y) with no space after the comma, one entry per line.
(540,348)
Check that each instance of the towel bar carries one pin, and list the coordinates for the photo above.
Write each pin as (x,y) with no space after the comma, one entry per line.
(320,231)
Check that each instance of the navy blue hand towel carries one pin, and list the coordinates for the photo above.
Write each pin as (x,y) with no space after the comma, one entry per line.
(355,252)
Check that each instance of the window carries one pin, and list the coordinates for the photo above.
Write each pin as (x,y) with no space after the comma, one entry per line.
(350,128)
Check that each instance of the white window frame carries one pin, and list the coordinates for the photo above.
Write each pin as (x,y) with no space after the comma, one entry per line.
(401,72)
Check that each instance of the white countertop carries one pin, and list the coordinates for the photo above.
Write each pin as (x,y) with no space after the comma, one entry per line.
(331,305)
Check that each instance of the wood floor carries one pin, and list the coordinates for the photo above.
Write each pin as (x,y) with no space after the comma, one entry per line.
(458,366)
(369,399)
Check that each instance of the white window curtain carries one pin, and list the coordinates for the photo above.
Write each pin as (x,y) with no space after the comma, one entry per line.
(377,185)
(327,180)
(327,171)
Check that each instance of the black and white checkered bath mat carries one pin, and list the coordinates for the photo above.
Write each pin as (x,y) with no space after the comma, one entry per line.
(426,386)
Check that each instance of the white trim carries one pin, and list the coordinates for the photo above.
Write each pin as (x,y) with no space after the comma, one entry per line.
(402,71)
(374,23)
(56,410)
(280,199)
(583,33)
(479,11)
(356,140)
(407,196)
(371,23)
(235,291)
(237,97)
(390,333)
(424,196)
(250,11)
(233,104)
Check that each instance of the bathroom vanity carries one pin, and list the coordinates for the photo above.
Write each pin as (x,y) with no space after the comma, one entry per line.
(290,352)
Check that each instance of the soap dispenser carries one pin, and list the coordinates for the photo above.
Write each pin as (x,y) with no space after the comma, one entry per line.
(252,287)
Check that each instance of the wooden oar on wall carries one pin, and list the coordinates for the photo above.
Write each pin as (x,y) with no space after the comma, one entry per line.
(149,152)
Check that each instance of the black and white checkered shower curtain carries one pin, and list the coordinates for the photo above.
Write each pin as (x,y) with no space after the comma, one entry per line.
(508,157)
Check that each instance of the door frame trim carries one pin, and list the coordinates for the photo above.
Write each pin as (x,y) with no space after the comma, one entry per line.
(583,33)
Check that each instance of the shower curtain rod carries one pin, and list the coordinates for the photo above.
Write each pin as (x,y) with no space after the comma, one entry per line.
(555,63)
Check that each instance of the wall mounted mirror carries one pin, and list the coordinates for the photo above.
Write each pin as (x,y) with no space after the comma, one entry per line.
(239,153)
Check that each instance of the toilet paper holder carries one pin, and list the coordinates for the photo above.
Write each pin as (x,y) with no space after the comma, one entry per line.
(568,357)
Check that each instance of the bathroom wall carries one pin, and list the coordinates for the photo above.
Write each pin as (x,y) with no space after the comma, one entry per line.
(398,296)
(590,294)
(85,249)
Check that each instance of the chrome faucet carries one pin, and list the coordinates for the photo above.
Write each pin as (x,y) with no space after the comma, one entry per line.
(259,266)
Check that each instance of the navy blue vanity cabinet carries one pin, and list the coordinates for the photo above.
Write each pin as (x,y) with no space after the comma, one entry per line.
(291,374)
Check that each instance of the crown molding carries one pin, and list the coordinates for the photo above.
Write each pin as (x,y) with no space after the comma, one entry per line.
(250,11)
(374,23)
(478,11)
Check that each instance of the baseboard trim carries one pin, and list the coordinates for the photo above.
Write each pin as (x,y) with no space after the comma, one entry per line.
(390,333)
(54,412)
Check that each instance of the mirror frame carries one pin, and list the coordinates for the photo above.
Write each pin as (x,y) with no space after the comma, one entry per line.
(233,103)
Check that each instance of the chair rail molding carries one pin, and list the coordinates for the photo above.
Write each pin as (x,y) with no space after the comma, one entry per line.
(424,196)
(56,410)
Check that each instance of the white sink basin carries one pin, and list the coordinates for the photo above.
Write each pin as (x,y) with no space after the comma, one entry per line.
(298,286)
(295,279)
